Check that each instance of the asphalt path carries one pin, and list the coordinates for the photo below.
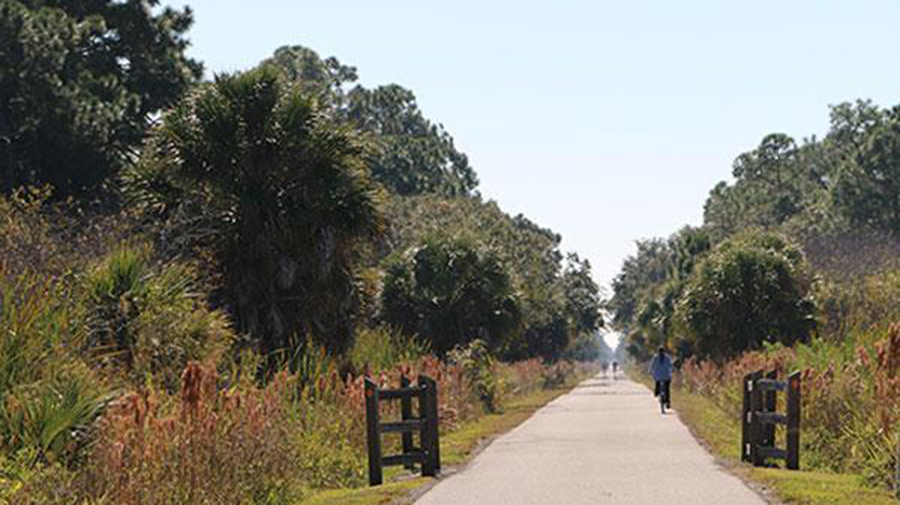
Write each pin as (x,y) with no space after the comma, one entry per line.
(604,442)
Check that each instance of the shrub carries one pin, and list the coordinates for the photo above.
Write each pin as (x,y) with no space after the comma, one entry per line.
(450,292)
(149,319)
(49,398)
(556,375)
(753,288)
(36,319)
(480,368)
(53,417)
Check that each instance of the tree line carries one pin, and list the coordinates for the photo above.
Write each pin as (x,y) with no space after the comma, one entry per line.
(307,204)
(795,215)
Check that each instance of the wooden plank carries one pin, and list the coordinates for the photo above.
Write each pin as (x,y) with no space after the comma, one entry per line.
(373,436)
(406,459)
(407,426)
(793,424)
(769,384)
(766,452)
(771,418)
(406,415)
(401,394)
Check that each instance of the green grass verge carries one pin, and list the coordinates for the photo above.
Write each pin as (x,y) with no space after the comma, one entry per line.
(722,436)
(820,488)
(457,448)
(366,495)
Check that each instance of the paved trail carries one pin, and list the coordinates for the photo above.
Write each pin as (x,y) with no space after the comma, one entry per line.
(605,442)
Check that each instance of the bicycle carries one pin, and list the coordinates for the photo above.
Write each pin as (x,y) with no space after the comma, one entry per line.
(663,392)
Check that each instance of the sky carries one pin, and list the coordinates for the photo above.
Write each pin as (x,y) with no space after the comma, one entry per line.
(607,121)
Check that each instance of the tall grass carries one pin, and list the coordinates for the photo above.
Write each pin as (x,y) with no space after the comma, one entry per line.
(851,394)
(382,348)
(50,399)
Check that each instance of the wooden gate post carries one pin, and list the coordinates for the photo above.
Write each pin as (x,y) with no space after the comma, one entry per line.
(435,420)
(429,434)
(747,386)
(406,415)
(756,427)
(770,405)
(373,433)
(793,421)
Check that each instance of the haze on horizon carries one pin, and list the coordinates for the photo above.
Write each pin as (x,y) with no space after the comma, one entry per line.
(605,121)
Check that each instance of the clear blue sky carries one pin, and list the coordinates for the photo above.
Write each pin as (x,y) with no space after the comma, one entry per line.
(607,121)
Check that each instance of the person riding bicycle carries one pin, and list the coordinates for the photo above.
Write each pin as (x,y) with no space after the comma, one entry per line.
(661,369)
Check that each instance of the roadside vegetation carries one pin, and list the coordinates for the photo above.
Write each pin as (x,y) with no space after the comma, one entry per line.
(196,276)
(796,267)
(719,430)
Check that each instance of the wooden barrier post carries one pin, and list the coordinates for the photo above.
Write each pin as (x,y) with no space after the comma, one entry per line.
(746,420)
(429,436)
(897,470)
(756,406)
(406,415)
(793,421)
(770,405)
(373,433)
(435,419)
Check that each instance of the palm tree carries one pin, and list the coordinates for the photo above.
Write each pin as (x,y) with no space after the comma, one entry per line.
(249,169)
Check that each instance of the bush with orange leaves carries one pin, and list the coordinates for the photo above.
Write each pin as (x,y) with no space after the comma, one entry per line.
(851,399)
(252,444)
(215,447)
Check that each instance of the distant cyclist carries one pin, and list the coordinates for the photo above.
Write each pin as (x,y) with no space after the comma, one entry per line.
(615,367)
(661,370)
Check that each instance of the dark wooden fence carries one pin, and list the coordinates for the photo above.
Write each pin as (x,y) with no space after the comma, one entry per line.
(760,419)
(428,453)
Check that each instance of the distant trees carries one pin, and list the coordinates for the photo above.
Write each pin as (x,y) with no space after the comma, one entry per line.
(582,296)
(556,304)
(822,193)
(868,190)
(847,178)
(410,155)
(713,301)
(645,293)
(78,84)
(449,293)
(250,169)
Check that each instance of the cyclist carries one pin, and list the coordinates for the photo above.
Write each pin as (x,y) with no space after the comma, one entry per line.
(661,370)
(615,367)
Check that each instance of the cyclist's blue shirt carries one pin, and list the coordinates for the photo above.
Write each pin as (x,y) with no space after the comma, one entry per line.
(661,367)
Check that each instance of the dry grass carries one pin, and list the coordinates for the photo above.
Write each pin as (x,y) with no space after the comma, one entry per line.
(851,400)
